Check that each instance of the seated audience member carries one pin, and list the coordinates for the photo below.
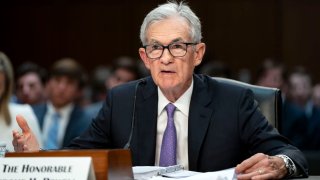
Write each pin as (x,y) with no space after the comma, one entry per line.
(99,90)
(99,83)
(9,111)
(216,69)
(300,84)
(30,84)
(300,92)
(293,124)
(179,117)
(316,95)
(125,69)
(272,74)
(61,119)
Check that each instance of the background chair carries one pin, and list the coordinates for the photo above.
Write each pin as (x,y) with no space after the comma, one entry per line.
(269,100)
(270,103)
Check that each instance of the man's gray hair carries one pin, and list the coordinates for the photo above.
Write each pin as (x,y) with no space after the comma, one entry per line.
(170,9)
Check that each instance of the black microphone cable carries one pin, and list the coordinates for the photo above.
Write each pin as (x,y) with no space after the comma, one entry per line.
(141,81)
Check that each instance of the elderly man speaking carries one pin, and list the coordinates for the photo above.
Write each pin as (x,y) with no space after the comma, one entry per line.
(178,117)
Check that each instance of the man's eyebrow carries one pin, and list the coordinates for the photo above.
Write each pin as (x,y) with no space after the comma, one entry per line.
(153,41)
(177,40)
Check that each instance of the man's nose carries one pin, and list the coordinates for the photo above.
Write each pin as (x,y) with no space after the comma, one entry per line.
(62,85)
(25,89)
(166,57)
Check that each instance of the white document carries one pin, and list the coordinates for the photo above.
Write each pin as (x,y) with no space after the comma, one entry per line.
(150,172)
(147,172)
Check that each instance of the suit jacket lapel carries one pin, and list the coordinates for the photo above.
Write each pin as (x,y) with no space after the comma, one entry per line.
(200,114)
(40,113)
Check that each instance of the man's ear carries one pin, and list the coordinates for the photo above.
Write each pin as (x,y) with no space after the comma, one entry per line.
(144,58)
(199,53)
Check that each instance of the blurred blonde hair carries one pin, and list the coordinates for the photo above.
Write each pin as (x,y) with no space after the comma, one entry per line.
(6,69)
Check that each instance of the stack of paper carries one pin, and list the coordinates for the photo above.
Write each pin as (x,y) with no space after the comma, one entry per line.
(156,173)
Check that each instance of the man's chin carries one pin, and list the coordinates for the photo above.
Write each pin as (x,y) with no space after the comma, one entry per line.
(168,87)
(60,104)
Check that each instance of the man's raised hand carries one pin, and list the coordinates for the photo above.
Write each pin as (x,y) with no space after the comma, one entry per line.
(25,141)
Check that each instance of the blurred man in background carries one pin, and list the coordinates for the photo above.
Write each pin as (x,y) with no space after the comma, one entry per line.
(124,69)
(272,73)
(316,95)
(300,93)
(61,118)
(30,84)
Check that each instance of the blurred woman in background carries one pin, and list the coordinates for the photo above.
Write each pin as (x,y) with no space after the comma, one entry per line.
(9,111)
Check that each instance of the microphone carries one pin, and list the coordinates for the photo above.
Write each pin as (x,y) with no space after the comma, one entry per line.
(141,81)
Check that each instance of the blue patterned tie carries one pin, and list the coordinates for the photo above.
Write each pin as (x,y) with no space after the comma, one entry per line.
(52,139)
(168,154)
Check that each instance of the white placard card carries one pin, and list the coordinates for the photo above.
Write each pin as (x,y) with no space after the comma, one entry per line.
(46,168)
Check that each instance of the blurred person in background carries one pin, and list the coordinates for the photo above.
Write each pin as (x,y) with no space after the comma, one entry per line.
(215,69)
(300,93)
(124,69)
(9,111)
(316,95)
(99,86)
(95,91)
(273,74)
(99,89)
(61,118)
(30,84)
(300,84)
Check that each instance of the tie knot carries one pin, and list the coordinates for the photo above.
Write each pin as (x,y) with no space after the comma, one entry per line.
(170,109)
(56,116)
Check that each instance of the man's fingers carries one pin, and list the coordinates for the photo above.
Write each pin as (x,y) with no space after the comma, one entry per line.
(15,134)
(265,162)
(25,148)
(265,176)
(269,167)
(248,163)
(23,124)
(247,175)
(18,141)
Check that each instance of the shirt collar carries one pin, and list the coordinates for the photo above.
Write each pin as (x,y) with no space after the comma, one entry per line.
(182,104)
(64,111)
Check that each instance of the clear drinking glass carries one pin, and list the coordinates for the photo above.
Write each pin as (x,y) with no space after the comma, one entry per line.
(3,149)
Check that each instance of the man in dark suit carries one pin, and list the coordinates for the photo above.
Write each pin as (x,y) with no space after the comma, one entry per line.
(177,117)
(63,88)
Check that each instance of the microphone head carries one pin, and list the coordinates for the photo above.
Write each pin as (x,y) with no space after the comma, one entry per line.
(142,81)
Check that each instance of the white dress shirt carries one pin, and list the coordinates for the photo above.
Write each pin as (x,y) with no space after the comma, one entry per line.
(181,116)
(65,113)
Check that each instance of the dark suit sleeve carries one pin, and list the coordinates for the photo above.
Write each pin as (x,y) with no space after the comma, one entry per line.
(260,136)
(97,136)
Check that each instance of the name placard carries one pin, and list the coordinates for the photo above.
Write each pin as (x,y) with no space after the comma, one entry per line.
(46,168)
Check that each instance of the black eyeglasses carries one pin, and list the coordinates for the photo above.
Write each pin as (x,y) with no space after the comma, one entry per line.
(176,49)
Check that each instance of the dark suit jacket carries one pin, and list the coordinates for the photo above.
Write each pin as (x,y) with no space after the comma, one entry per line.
(225,126)
(78,123)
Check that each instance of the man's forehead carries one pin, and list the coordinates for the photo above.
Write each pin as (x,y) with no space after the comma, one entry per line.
(169,30)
